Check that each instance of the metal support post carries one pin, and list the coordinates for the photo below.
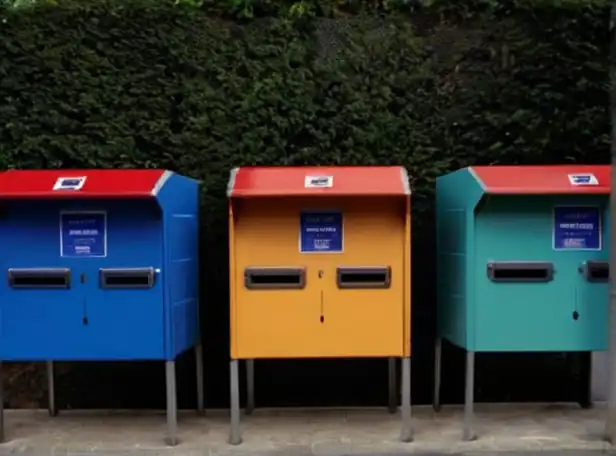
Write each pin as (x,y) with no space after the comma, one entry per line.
(469,392)
(406,434)
(235,437)
(438,354)
(172,406)
(250,386)
(51,389)
(200,379)
(391,377)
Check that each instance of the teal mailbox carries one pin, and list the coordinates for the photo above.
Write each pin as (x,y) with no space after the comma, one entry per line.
(522,263)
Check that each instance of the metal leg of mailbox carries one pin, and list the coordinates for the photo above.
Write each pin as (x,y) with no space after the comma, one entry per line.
(406,434)
(51,389)
(1,405)
(235,437)
(469,393)
(250,386)
(584,362)
(200,378)
(393,399)
(438,353)
(172,406)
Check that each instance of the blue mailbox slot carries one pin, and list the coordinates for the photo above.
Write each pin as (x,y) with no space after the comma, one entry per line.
(125,278)
(39,278)
(101,265)
(522,263)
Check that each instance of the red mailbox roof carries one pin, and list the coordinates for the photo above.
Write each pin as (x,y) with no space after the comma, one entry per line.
(91,183)
(539,180)
(246,182)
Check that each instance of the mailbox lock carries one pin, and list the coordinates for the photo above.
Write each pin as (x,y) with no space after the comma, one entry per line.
(82,278)
(576,315)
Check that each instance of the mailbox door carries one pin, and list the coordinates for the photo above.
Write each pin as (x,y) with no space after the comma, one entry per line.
(122,292)
(42,309)
(276,310)
(593,291)
(362,288)
(591,315)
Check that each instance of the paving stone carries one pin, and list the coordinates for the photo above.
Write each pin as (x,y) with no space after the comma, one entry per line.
(507,429)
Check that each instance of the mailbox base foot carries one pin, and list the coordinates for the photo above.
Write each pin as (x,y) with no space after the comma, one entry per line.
(200,379)
(172,441)
(468,434)
(172,406)
(250,386)
(392,405)
(235,440)
(235,436)
(406,434)
(438,353)
(51,389)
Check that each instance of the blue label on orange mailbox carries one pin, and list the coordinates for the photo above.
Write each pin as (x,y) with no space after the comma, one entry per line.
(321,232)
(577,228)
(83,234)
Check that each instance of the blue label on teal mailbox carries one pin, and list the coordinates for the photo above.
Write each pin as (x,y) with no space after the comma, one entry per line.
(321,232)
(577,228)
(83,234)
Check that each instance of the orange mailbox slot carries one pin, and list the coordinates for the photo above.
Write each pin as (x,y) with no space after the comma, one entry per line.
(319,268)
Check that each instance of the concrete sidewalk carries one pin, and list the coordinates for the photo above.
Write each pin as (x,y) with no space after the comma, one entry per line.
(515,429)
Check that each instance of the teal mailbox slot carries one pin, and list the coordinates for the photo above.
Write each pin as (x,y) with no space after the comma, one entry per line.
(522,263)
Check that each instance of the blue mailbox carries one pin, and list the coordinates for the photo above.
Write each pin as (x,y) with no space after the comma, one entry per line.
(522,262)
(100,265)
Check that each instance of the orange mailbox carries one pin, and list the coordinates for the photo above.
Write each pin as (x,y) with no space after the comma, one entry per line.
(319,268)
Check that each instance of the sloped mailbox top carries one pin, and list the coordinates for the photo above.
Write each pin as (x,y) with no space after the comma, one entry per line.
(543,180)
(247,182)
(96,183)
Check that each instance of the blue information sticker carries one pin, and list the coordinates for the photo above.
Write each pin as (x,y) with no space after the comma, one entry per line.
(83,234)
(577,228)
(321,232)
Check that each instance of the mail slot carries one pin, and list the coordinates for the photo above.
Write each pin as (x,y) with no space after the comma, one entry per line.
(363,277)
(127,278)
(274,278)
(522,262)
(520,271)
(39,278)
(101,266)
(596,271)
(320,251)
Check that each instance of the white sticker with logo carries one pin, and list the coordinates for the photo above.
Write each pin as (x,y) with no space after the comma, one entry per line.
(69,183)
(583,179)
(319,181)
